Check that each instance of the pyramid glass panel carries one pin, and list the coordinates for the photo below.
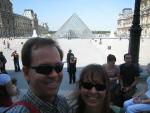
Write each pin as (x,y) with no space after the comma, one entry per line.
(74,27)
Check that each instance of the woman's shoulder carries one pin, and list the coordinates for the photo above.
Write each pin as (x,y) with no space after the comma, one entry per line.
(116,109)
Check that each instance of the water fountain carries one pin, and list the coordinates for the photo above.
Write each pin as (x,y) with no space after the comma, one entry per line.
(112,35)
(34,33)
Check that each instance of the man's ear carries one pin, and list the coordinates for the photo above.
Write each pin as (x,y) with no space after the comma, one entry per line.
(26,73)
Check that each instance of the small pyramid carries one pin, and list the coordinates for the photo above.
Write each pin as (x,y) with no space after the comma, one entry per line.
(74,27)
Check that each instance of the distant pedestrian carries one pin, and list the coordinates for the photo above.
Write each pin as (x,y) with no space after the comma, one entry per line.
(68,57)
(16,61)
(109,47)
(4,42)
(8,45)
(3,60)
(72,69)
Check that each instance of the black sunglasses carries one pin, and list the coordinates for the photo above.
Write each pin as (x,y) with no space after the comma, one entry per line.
(46,69)
(88,85)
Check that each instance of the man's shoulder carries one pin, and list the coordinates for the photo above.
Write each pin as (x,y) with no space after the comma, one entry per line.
(17,109)
(63,105)
(61,98)
(122,65)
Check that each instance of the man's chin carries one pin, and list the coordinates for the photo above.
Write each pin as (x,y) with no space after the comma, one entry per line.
(52,93)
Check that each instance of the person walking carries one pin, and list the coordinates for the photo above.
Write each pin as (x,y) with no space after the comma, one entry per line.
(15,55)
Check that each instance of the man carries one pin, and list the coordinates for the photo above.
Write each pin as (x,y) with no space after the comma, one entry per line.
(129,75)
(42,67)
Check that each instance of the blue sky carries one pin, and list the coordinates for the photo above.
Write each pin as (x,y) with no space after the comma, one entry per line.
(96,14)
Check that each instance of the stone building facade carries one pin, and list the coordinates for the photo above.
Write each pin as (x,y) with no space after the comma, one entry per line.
(15,25)
(43,28)
(6,19)
(23,26)
(29,13)
(125,20)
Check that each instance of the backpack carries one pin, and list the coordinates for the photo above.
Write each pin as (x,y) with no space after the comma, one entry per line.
(30,107)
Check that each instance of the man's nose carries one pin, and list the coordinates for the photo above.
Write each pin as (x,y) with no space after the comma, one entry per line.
(53,73)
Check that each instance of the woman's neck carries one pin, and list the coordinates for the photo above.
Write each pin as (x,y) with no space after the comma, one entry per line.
(110,66)
(92,110)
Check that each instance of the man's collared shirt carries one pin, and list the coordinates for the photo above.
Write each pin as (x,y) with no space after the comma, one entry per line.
(59,106)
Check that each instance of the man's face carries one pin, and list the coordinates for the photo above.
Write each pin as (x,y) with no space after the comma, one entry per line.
(44,85)
(127,58)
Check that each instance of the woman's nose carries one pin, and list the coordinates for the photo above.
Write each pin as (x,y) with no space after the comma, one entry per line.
(93,90)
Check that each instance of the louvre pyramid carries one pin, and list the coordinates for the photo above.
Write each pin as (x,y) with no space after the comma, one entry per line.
(74,27)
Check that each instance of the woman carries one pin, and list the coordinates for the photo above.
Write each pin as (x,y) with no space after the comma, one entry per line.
(94,94)
(113,72)
(7,89)
(140,102)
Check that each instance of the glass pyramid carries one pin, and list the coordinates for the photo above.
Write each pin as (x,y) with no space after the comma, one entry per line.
(74,27)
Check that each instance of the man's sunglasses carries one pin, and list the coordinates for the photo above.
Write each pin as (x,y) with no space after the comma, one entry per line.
(88,85)
(46,69)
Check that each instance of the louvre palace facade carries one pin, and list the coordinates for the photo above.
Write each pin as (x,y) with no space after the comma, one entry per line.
(15,25)
(124,21)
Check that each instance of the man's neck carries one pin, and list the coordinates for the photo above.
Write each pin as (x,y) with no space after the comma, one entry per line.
(128,63)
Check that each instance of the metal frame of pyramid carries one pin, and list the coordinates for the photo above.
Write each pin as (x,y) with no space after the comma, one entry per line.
(74,27)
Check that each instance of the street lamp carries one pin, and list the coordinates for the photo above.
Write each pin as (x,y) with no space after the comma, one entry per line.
(135,33)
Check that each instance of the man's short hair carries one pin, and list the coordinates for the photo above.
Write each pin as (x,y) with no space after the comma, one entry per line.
(37,42)
(126,55)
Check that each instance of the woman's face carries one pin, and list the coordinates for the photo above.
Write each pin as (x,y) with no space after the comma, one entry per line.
(111,63)
(94,96)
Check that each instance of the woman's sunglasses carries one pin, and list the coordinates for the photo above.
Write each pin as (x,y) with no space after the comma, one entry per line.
(46,69)
(88,85)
